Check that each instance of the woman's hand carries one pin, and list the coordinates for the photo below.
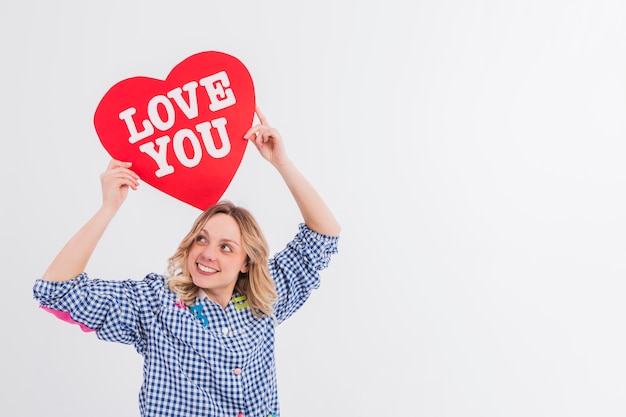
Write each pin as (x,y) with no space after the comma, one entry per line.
(116,181)
(268,141)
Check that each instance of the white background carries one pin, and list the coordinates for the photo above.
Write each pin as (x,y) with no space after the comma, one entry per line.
(473,152)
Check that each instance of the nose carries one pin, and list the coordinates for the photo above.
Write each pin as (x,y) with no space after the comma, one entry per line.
(208,252)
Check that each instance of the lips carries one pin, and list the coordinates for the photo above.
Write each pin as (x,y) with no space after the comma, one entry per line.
(205,269)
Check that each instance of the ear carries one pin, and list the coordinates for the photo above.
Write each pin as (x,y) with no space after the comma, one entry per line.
(244,267)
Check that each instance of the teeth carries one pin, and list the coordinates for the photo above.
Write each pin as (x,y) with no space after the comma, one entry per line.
(206,268)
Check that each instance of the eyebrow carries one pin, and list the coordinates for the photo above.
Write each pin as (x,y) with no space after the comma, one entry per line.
(206,233)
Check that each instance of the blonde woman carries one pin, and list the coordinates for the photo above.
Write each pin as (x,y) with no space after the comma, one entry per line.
(206,328)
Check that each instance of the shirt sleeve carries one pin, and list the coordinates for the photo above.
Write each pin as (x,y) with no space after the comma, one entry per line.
(118,311)
(296,269)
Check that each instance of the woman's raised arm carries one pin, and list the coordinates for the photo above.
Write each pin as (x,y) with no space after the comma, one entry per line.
(316,214)
(73,257)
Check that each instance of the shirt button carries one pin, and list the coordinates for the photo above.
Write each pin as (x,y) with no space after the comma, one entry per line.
(224,330)
(237,371)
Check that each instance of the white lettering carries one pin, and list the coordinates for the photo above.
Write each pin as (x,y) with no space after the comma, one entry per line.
(209,142)
(160,156)
(219,96)
(159,152)
(190,110)
(217,87)
(155,117)
(135,136)
(179,148)
(187,146)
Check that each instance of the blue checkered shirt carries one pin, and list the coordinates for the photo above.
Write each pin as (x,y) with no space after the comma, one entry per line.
(199,361)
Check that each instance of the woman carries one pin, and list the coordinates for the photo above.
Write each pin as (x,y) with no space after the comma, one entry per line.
(206,330)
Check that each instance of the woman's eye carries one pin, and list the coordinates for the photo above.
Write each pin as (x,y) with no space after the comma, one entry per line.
(201,239)
(227,248)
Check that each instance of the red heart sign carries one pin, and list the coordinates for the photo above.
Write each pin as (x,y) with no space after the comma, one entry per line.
(184,134)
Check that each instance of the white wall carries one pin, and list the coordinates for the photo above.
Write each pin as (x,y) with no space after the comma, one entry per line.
(473,152)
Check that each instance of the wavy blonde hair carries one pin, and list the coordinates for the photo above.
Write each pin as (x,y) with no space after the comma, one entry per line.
(256,284)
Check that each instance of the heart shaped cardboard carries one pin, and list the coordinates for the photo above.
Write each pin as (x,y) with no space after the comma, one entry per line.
(184,134)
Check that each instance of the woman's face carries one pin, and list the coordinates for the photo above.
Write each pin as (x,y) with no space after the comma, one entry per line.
(217,257)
